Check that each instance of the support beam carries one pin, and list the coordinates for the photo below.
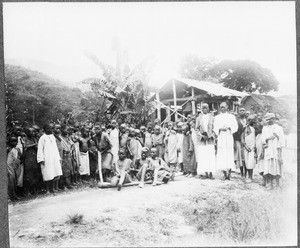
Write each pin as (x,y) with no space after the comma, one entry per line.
(193,102)
(168,111)
(158,106)
(174,96)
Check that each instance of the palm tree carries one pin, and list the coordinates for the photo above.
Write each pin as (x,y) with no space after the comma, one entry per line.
(127,94)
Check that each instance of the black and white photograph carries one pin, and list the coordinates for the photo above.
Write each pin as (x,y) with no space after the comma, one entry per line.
(150,124)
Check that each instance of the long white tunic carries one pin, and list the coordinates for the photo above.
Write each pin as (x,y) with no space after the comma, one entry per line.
(250,160)
(205,153)
(225,153)
(171,144)
(114,138)
(179,146)
(48,152)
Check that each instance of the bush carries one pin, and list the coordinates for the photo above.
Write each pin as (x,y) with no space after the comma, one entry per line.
(243,220)
(75,219)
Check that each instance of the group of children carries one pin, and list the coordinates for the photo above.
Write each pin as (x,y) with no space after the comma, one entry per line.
(61,156)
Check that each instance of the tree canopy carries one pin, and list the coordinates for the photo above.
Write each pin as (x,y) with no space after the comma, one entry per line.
(33,97)
(245,75)
(241,75)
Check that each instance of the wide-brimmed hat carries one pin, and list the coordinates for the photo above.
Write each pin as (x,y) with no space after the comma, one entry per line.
(269,116)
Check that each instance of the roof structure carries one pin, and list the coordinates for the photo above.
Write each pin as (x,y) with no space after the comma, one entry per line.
(200,88)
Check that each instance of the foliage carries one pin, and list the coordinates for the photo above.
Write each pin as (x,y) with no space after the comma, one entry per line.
(75,219)
(194,67)
(241,75)
(242,220)
(33,97)
(128,93)
(245,75)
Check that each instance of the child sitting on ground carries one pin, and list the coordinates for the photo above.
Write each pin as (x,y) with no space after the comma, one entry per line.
(122,169)
(142,172)
(161,171)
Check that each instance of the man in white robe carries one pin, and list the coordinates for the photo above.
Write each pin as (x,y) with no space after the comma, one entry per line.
(48,157)
(225,126)
(205,147)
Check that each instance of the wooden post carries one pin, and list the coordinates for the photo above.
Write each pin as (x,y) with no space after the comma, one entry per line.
(168,113)
(174,95)
(193,102)
(158,106)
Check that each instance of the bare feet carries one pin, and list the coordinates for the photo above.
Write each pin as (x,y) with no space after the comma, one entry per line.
(141,185)
(119,187)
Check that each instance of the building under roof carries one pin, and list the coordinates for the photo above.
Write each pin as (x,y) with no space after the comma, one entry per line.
(183,94)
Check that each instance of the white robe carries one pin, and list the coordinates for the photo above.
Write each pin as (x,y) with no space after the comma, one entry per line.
(114,138)
(48,152)
(179,146)
(171,144)
(225,152)
(272,165)
(250,160)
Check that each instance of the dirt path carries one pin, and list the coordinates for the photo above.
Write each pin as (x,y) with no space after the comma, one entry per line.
(131,217)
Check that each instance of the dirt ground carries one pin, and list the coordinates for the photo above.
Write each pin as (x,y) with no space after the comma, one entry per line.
(164,215)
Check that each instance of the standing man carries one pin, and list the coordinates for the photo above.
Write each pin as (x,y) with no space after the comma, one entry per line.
(105,157)
(48,157)
(205,147)
(225,126)
(114,137)
(239,156)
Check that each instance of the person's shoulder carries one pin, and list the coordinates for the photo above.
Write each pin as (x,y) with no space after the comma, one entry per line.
(128,160)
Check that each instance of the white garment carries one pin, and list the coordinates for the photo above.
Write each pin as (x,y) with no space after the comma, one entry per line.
(171,144)
(225,152)
(114,138)
(84,163)
(179,146)
(48,152)
(267,132)
(207,159)
(250,160)
(205,119)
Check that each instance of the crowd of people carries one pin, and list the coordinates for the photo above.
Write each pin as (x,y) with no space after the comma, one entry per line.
(61,156)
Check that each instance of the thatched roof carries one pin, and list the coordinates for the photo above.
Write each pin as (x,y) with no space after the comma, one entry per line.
(267,103)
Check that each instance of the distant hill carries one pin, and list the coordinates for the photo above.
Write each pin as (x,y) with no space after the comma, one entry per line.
(68,75)
(32,96)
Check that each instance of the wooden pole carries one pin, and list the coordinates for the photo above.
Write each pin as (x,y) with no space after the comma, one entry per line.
(193,102)
(168,114)
(158,106)
(174,96)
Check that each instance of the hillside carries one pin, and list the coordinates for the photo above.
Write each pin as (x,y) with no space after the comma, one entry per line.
(37,98)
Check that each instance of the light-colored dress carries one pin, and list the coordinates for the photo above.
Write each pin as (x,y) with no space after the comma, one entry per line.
(225,153)
(179,147)
(272,164)
(114,138)
(171,144)
(48,152)
(249,139)
(205,150)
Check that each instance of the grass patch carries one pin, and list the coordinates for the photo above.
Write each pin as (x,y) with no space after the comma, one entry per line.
(75,219)
(244,219)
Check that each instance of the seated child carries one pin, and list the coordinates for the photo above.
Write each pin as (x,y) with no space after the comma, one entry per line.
(142,172)
(161,171)
(121,170)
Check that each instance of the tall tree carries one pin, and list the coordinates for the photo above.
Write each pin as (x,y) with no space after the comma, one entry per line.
(193,67)
(245,75)
(127,93)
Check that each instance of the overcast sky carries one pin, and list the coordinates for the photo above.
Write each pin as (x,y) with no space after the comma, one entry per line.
(59,33)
